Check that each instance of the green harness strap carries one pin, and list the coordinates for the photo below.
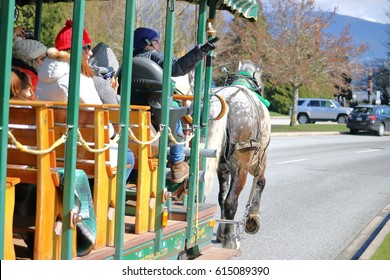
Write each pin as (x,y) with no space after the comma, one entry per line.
(244,82)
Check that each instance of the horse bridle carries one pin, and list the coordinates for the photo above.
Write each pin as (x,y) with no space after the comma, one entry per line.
(234,79)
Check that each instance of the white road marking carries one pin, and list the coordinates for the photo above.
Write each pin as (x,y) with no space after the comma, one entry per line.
(368,151)
(291,161)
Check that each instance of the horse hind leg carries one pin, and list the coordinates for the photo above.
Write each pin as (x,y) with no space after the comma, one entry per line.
(237,183)
(223,179)
(252,223)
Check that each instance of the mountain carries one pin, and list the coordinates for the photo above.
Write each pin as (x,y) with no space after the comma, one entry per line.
(376,35)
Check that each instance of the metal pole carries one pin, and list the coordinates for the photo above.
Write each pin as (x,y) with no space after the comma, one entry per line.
(193,184)
(124,121)
(162,155)
(72,123)
(6,23)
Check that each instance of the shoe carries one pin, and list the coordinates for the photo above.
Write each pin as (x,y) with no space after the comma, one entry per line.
(179,171)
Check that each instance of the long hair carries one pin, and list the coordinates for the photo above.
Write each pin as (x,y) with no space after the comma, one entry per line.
(86,70)
(20,82)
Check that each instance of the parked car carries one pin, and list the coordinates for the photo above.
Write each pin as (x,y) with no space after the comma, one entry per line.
(310,110)
(374,118)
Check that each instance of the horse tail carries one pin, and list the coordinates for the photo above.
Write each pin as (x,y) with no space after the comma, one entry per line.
(216,140)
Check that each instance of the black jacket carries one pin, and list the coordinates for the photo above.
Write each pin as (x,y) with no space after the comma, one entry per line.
(180,66)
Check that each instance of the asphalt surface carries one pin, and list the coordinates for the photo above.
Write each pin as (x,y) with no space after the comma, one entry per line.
(372,236)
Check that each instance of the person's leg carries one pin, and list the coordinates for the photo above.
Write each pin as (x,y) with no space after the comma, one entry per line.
(179,167)
(131,162)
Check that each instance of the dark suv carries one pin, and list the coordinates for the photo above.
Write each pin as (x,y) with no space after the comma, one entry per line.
(310,110)
(370,118)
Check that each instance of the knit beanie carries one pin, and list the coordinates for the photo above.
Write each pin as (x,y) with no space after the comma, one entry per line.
(103,59)
(28,50)
(64,38)
(140,36)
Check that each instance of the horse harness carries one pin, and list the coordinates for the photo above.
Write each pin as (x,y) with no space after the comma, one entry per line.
(245,83)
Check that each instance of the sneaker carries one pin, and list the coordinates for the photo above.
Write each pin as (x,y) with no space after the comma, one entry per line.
(179,171)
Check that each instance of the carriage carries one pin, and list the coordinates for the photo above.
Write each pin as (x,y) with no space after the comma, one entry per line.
(148,218)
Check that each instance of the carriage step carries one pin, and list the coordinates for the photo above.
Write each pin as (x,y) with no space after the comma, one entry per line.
(225,221)
(211,153)
(217,253)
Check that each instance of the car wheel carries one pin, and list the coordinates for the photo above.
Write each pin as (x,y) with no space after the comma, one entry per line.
(353,131)
(342,119)
(303,119)
(381,130)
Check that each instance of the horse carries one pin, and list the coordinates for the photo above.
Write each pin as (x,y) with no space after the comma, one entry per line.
(241,138)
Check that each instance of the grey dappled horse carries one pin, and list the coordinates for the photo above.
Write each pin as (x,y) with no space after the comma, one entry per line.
(241,138)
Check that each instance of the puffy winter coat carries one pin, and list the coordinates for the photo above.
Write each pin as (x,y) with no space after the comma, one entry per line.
(53,82)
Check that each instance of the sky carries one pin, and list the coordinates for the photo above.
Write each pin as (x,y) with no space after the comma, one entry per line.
(372,10)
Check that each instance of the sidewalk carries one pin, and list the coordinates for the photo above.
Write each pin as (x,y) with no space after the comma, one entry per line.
(367,242)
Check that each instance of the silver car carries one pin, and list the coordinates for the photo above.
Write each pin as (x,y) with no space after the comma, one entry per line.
(310,110)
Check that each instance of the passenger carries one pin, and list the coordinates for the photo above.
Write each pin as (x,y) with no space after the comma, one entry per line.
(28,56)
(53,76)
(20,85)
(147,44)
(105,65)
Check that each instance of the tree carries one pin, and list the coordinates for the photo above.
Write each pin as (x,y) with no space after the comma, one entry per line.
(239,42)
(149,13)
(297,52)
(53,19)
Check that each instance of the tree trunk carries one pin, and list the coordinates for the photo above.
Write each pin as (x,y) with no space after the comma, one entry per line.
(293,119)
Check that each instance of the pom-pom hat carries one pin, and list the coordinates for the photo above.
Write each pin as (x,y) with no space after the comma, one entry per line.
(141,35)
(64,38)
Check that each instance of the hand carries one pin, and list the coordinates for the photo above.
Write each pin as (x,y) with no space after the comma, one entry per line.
(19,32)
(210,45)
(114,83)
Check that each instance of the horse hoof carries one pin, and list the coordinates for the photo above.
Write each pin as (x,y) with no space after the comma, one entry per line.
(252,224)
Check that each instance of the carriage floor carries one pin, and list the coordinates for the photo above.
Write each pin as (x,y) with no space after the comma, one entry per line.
(132,242)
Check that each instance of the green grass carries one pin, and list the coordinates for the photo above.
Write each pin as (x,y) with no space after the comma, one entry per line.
(383,251)
(310,128)
(276,114)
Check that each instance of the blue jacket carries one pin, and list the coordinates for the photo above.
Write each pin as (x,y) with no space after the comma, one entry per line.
(180,66)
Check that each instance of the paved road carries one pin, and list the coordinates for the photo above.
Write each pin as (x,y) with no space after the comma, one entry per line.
(321,192)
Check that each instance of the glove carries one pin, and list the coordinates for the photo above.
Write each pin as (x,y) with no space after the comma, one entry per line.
(210,45)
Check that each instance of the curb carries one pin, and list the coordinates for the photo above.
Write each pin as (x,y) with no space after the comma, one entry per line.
(369,239)
(304,133)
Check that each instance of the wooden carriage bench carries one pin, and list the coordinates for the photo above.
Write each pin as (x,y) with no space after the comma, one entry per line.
(95,160)
(31,124)
(10,183)
(142,195)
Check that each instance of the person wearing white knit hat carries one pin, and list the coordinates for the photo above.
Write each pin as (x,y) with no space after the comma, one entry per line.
(28,56)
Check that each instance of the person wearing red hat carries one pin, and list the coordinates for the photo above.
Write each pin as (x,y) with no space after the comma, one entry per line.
(53,75)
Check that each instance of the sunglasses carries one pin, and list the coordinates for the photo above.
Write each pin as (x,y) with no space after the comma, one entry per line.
(87,47)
